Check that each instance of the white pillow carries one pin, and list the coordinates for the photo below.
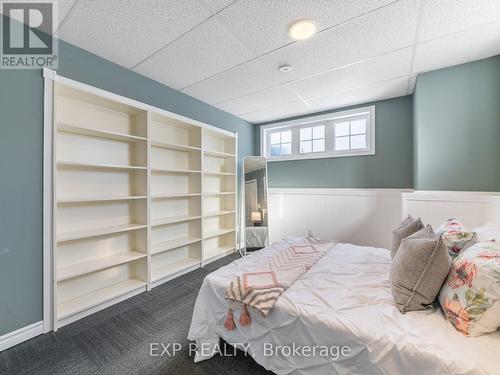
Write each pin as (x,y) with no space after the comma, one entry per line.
(488,232)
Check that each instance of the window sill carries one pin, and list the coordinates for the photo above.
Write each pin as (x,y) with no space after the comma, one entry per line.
(322,156)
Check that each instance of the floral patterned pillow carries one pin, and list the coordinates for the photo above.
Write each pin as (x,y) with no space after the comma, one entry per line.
(455,236)
(470,297)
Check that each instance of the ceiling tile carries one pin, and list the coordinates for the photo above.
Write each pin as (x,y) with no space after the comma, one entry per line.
(63,9)
(275,113)
(381,68)
(275,96)
(378,91)
(239,81)
(442,17)
(387,29)
(205,51)
(217,5)
(126,32)
(470,45)
(263,24)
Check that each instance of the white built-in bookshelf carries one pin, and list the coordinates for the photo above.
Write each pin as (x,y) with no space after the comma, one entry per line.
(140,196)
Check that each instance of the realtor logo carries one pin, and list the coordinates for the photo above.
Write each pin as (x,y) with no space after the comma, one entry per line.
(27,34)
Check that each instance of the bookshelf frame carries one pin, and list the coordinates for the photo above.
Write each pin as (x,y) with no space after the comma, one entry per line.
(134,196)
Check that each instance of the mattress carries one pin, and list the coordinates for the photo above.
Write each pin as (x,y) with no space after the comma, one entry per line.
(344,301)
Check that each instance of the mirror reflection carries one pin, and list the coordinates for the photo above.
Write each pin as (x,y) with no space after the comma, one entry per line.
(256,214)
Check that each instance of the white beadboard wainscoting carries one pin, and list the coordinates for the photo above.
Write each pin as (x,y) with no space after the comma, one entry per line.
(472,208)
(368,216)
(359,216)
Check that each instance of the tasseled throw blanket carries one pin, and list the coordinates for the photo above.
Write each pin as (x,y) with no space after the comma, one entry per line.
(260,289)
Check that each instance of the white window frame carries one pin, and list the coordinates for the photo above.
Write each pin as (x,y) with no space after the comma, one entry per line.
(312,126)
(282,143)
(327,119)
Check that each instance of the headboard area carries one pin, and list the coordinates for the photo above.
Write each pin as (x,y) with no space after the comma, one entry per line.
(434,207)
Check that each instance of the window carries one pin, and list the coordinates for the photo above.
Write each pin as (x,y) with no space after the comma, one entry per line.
(350,134)
(312,139)
(281,143)
(346,133)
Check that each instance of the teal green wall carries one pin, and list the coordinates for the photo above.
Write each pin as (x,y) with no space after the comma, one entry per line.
(21,110)
(390,167)
(457,128)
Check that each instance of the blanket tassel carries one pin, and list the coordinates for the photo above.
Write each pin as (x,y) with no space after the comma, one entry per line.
(229,323)
(245,316)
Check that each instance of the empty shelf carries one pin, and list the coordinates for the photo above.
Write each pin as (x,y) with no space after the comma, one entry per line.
(218,153)
(172,220)
(218,232)
(219,173)
(174,195)
(100,199)
(74,164)
(218,213)
(163,170)
(219,193)
(218,251)
(172,244)
(174,146)
(97,297)
(173,268)
(75,235)
(100,133)
(90,266)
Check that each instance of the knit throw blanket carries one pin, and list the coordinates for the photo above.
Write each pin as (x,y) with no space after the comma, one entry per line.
(260,289)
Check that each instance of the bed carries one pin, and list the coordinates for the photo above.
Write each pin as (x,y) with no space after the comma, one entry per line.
(343,301)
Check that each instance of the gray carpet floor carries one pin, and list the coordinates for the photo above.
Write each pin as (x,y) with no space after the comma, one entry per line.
(117,340)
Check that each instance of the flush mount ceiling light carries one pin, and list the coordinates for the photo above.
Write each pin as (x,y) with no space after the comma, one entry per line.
(285,68)
(302,29)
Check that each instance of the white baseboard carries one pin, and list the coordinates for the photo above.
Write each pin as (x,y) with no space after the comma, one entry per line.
(22,334)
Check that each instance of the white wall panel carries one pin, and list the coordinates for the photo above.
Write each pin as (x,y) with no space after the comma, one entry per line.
(364,217)
(368,216)
(473,209)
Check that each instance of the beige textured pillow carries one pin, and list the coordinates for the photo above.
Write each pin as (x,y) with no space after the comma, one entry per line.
(418,270)
(407,227)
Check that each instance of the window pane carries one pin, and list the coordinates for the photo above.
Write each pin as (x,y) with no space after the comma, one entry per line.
(341,143)
(275,138)
(305,147)
(358,126)
(305,134)
(319,145)
(358,142)
(286,148)
(275,150)
(319,132)
(341,129)
(286,136)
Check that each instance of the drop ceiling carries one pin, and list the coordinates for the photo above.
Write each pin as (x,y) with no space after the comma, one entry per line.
(227,53)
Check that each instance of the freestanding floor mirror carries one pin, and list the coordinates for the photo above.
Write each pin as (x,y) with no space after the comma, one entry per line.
(256,214)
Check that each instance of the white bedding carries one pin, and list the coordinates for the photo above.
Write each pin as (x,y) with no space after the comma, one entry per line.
(344,300)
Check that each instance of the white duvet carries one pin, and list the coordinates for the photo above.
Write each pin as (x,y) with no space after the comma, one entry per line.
(343,301)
